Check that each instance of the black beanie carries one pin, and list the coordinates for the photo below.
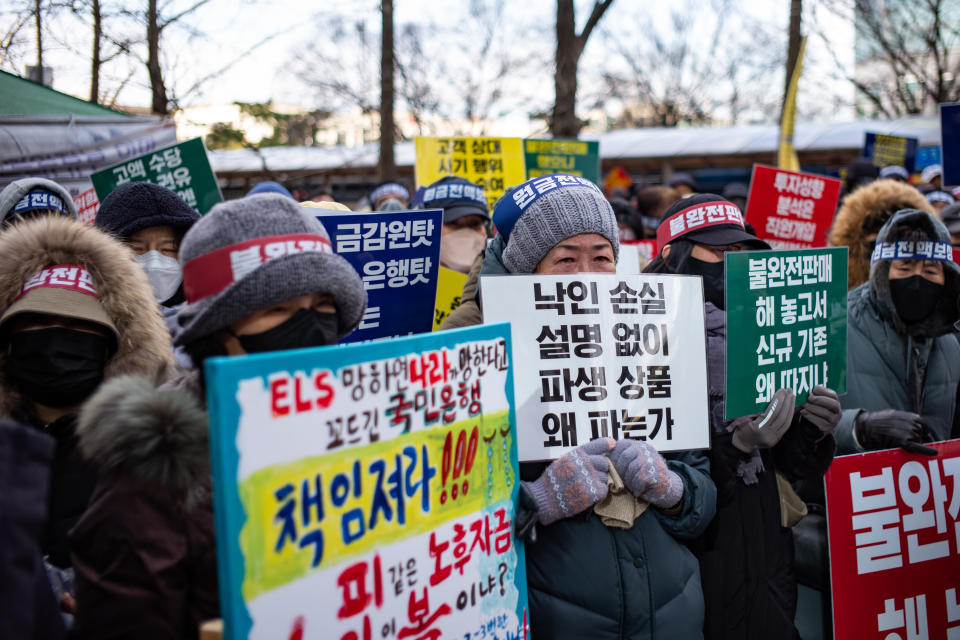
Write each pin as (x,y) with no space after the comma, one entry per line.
(139,205)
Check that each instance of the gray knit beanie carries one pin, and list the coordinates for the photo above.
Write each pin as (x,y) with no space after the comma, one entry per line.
(544,211)
(13,198)
(248,254)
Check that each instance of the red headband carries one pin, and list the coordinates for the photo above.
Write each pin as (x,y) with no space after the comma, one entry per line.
(211,273)
(699,216)
(72,277)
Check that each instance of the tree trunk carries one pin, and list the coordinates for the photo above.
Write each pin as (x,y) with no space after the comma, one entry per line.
(159,104)
(793,44)
(563,121)
(95,61)
(39,22)
(387,168)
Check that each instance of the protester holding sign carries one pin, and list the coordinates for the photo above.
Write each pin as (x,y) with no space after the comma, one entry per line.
(903,367)
(259,275)
(562,224)
(746,554)
(860,217)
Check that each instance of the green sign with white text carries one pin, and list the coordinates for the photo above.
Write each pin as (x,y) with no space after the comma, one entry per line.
(574,157)
(183,168)
(786,325)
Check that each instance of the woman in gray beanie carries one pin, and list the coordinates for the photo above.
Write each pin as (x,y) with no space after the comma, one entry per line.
(259,274)
(586,578)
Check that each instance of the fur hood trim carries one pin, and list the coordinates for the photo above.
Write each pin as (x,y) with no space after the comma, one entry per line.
(156,434)
(143,346)
(873,203)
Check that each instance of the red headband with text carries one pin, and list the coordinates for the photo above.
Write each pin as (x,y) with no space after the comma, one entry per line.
(699,216)
(72,277)
(211,273)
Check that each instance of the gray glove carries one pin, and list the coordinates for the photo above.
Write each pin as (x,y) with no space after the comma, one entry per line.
(891,428)
(822,409)
(572,483)
(765,430)
(645,473)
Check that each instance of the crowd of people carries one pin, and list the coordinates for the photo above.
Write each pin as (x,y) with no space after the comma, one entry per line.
(106,513)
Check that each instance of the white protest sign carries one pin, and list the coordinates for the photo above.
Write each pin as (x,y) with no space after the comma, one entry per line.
(597,354)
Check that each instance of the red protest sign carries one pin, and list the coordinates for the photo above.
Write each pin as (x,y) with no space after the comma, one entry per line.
(87,205)
(791,210)
(894,530)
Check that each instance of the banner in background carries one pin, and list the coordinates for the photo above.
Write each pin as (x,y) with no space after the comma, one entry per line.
(492,163)
(575,157)
(950,143)
(886,151)
(791,210)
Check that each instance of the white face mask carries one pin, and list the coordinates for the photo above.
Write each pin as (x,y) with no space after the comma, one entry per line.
(164,273)
(458,249)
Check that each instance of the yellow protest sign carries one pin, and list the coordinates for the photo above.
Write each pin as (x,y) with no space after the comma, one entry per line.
(449,289)
(492,163)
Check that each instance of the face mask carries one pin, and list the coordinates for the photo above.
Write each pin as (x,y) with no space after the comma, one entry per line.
(458,249)
(57,367)
(305,328)
(915,297)
(163,272)
(712,274)
(392,204)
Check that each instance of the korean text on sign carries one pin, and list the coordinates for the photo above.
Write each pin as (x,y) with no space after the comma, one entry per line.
(790,310)
(368,491)
(602,355)
(894,532)
(791,210)
(492,163)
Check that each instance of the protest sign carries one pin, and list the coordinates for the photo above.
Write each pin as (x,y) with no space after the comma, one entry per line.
(397,254)
(893,527)
(791,210)
(87,206)
(789,311)
(888,151)
(950,143)
(182,168)
(574,157)
(368,489)
(927,156)
(449,289)
(629,259)
(596,355)
(492,163)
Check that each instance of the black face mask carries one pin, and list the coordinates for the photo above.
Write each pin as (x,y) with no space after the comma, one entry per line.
(305,328)
(712,274)
(915,297)
(57,367)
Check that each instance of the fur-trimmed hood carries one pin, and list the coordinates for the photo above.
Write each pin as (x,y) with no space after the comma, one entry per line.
(156,433)
(862,213)
(143,345)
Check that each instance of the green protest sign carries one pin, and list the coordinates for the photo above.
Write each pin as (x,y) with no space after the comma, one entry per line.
(574,157)
(182,168)
(787,325)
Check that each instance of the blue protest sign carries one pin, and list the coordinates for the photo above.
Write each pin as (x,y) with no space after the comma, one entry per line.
(927,156)
(887,151)
(950,143)
(398,256)
(367,487)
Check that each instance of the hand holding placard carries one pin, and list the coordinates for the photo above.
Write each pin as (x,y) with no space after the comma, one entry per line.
(574,482)
(892,428)
(645,473)
(765,430)
(822,409)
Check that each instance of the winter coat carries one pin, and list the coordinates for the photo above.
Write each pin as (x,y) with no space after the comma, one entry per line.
(28,608)
(587,580)
(862,213)
(746,557)
(892,366)
(144,550)
(143,345)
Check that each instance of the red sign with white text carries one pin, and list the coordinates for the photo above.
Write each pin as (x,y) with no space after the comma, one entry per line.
(791,210)
(87,205)
(894,531)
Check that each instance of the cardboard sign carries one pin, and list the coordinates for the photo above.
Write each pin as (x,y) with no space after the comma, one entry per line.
(950,143)
(398,255)
(791,210)
(888,151)
(492,163)
(893,519)
(574,157)
(597,355)
(788,315)
(87,206)
(183,168)
(369,490)
(449,291)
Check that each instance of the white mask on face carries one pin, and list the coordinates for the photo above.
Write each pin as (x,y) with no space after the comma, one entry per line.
(458,249)
(164,273)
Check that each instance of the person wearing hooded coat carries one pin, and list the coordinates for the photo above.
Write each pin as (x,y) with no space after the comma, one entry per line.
(862,213)
(903,362)
(746,554)
(586,579)
(144,550)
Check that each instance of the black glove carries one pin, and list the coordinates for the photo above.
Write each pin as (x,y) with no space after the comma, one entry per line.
(891,428)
